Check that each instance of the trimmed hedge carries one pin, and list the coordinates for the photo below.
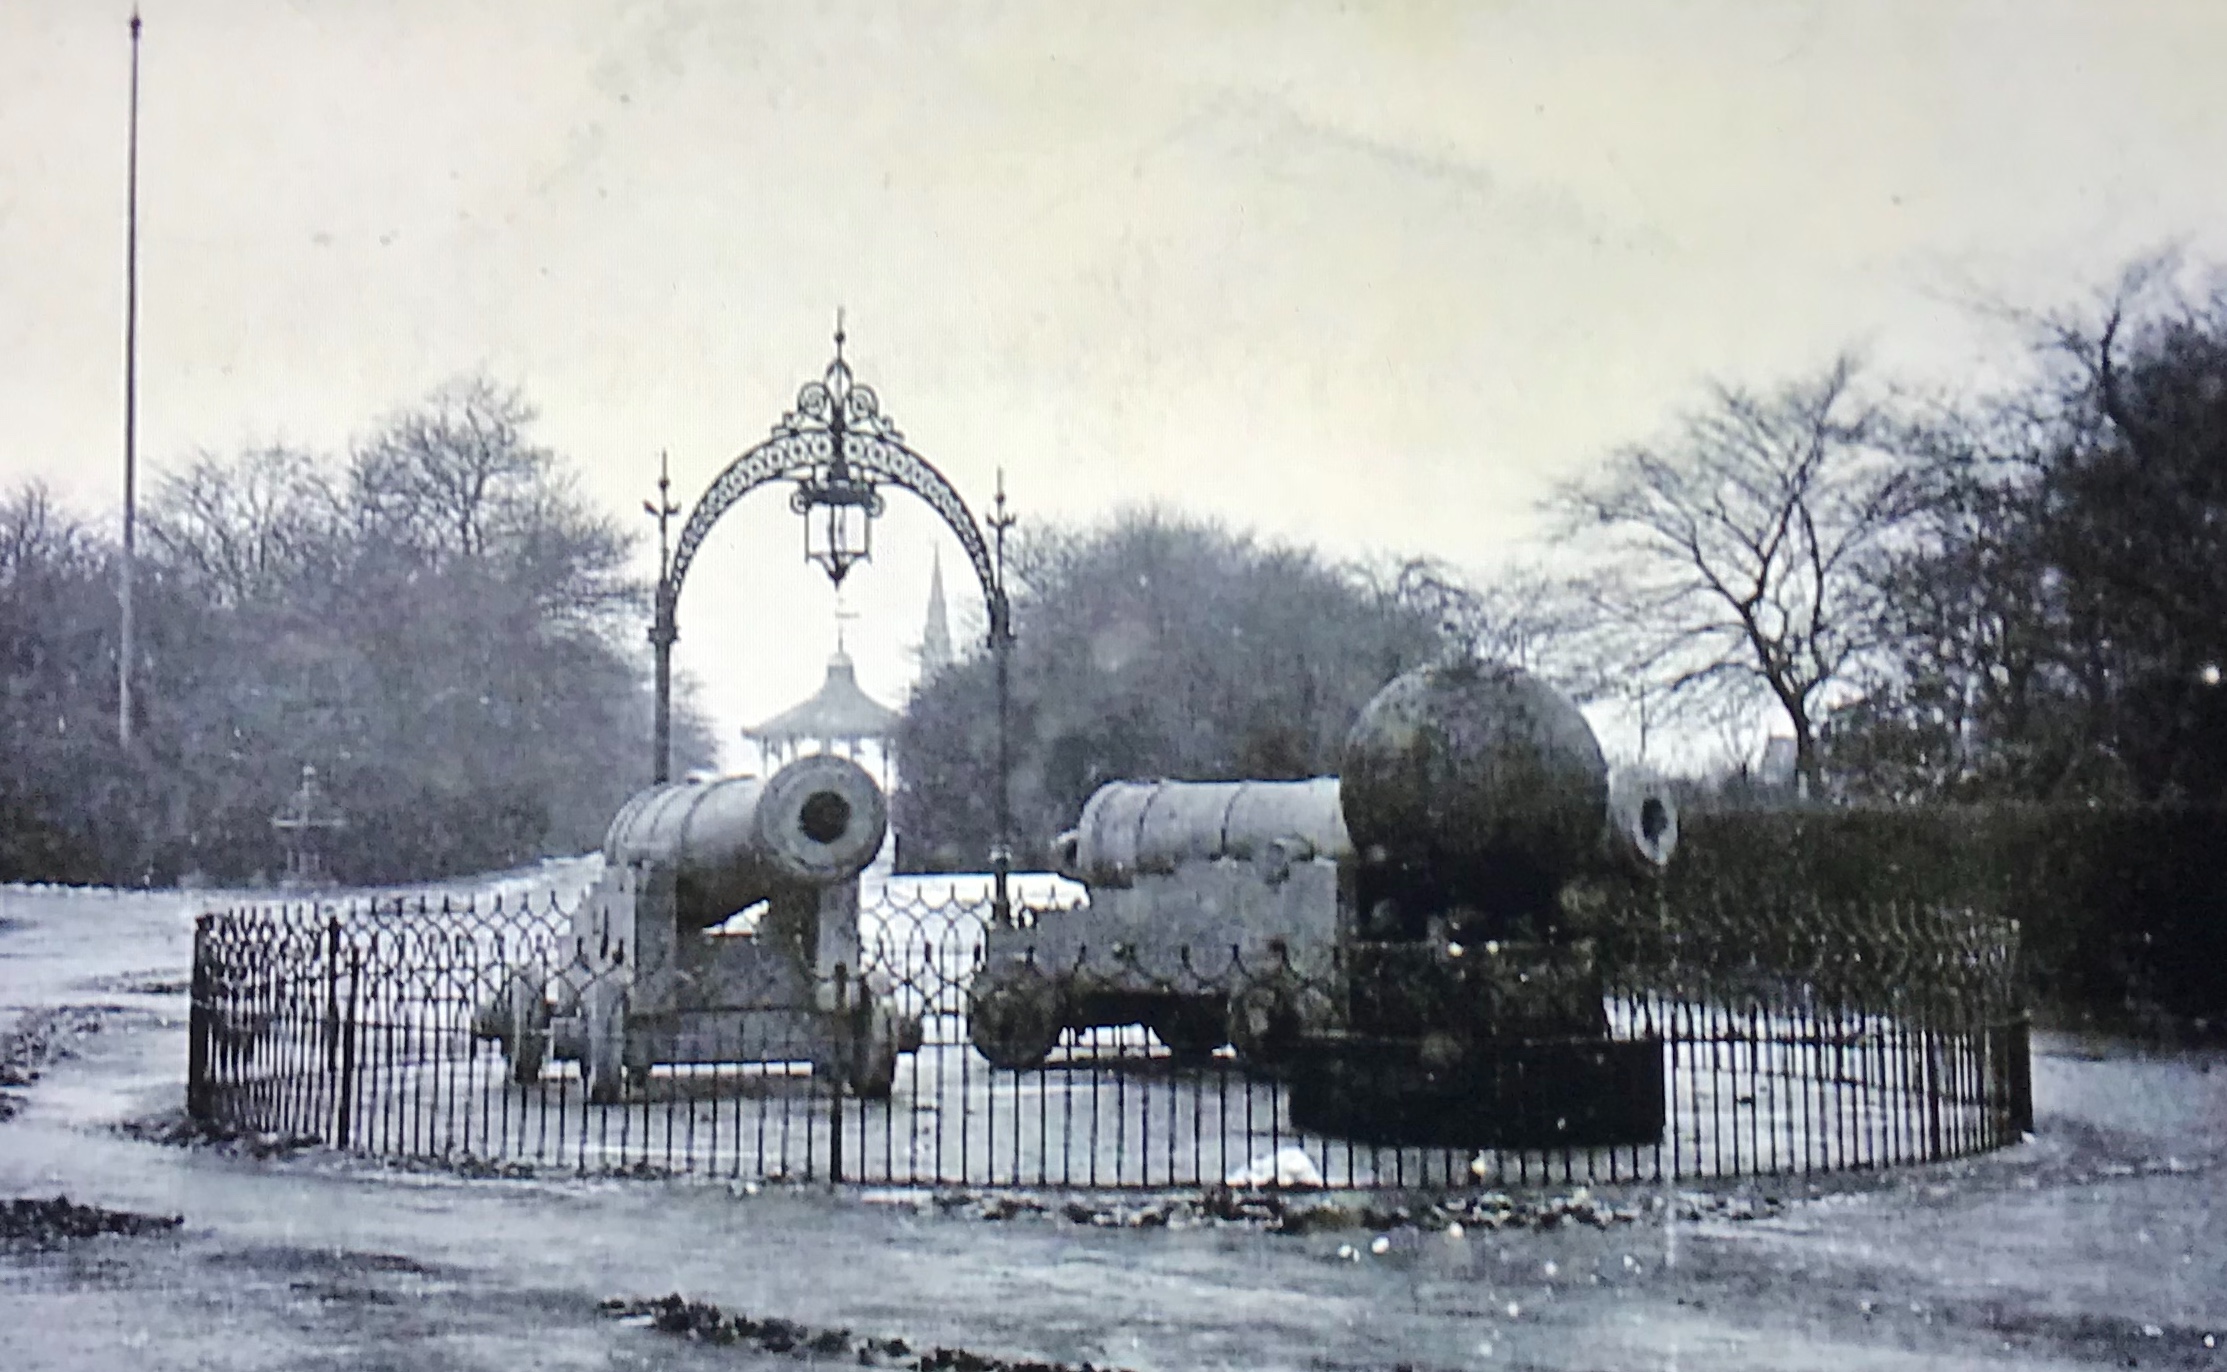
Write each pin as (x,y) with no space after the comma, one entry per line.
(2121,910)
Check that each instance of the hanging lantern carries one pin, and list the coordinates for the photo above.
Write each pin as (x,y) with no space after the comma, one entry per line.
(838,505)
(839,512)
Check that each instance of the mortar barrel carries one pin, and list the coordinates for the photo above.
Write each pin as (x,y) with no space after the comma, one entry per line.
(1480,775)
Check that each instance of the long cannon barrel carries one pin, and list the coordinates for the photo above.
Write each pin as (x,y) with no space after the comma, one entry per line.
(735,841)
(1132,827)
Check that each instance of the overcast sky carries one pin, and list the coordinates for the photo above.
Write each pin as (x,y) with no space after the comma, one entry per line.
(1367,276)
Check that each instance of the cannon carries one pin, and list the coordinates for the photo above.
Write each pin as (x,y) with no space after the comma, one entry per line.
(1187,881)
(658,974)
(1410,942)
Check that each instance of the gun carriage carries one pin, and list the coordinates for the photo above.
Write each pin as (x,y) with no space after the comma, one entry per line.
(1410,942)
(654,979)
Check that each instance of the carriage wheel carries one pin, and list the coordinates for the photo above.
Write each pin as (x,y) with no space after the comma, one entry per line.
(527,1040)
(1265,1022)
(1192,1028)
(604,1062)
(1015,1017)
(874,1067)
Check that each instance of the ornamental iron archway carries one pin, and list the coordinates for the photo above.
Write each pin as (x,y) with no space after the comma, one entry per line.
(837,446)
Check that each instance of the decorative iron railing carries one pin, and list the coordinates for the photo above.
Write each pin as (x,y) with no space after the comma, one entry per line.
(1784,1042)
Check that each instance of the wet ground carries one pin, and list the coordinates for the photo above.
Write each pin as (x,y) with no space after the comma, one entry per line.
(2098,1243)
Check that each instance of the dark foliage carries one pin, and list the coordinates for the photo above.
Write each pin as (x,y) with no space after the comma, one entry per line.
(2063,628)
(2122,910)
(32,1223)
(436,622)
(703,1322)
(1152,646)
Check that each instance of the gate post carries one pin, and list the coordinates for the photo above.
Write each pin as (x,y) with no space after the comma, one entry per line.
(344,1107)
(2022,1075)
(1931,1037)
(663,632)
(197,1025)
(845,1047)
(332,994)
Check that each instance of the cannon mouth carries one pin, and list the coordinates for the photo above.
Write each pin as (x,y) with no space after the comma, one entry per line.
(822,819)
(1654,819)
(1066,852)
(1642,823)
(825,817)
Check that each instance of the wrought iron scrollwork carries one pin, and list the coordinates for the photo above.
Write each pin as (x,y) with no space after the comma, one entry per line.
(818,403)
(803,445)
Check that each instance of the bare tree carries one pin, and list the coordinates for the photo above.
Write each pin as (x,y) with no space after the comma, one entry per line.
(37,538)
(1524,616)
(1744,553)
(243,530)
(455,485)
(448,477)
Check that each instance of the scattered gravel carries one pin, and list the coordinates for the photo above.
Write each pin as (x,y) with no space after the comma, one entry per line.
(479,1169)
(704,1322)
(45,1036)
(1287,1212)
(44,1223)
(180,1130)
(1276,1210)
(155,983)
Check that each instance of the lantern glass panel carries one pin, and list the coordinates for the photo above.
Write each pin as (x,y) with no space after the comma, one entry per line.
(837,535)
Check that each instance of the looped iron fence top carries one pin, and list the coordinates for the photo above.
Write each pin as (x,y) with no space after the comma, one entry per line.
(1790,1041)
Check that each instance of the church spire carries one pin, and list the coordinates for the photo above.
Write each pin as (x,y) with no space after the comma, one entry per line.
(935,638)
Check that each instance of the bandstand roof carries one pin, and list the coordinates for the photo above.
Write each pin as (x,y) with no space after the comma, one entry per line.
(839,709)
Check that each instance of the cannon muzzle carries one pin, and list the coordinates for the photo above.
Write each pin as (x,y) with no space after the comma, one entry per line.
(1642,823)
(735,841)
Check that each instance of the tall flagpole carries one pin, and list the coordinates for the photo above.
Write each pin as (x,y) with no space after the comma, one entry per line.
(131,399)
